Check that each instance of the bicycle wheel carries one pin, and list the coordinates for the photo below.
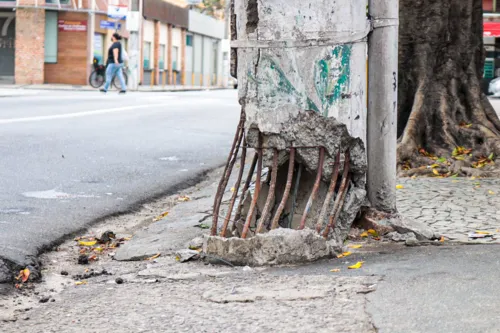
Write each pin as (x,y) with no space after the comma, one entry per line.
(116,81)
(96,80)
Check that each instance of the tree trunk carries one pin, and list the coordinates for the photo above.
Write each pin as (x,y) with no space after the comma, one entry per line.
(442,112)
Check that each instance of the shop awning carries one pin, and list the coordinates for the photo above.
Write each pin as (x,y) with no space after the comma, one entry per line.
(491,29)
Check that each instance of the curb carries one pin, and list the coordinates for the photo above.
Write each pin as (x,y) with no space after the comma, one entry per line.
(96,89)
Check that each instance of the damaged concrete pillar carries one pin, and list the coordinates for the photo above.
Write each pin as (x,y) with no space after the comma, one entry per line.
(302,77)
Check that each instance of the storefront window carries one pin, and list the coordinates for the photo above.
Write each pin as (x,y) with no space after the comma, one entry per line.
(50,37)
(162,57)
(175,55)
(99,48)
(62,2)
(147,55)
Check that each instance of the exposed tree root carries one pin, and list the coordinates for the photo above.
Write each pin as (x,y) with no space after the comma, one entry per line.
(446,125)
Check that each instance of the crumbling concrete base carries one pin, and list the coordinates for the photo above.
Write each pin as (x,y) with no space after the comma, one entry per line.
(278,247)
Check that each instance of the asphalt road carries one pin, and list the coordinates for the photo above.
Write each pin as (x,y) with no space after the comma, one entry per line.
(70,158)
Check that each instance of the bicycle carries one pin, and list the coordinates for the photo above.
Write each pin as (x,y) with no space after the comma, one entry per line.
(98,76)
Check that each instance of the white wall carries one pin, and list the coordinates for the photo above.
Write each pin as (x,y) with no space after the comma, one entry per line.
(149,36)
(197,50)
(206,25)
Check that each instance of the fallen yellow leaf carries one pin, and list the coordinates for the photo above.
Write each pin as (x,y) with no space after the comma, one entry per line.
(335,270)
(154,257)
(25,274)
(441,239)
(373,232)
(79,283)
(184,198)
(434,171)
(344,254)
(399,187)
(364,234)
(158,218)
(359,264)
(355,246)
(473,177)
(233,189)
(89,243)
(491,192)
(482,232)
(434,166)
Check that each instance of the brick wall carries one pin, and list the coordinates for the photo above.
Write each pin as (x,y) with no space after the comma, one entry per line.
(71,66)
(30,39)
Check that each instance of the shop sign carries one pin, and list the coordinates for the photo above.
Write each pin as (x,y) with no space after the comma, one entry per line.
(66,25)
(118,12)
(110,25)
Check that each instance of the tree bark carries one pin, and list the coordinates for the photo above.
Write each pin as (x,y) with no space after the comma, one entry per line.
(441,105)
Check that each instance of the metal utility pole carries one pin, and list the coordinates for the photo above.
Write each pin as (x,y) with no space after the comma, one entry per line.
(134,20)
(382,104)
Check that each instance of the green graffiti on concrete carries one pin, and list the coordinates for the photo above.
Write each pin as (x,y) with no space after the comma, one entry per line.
(332,75)
(331,80)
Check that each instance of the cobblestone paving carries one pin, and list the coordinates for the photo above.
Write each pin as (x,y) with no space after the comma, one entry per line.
(454,207)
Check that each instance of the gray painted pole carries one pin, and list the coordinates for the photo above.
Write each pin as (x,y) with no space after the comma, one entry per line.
(382,104)
(134,47)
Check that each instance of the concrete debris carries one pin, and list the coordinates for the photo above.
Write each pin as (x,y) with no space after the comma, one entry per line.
(405,225)
(278,247)
(397,237)
(196,243)
(186,255)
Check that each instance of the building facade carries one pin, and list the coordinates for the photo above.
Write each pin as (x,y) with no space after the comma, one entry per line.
(56,41)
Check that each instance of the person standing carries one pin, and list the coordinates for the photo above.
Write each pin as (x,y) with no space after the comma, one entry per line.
(114,65)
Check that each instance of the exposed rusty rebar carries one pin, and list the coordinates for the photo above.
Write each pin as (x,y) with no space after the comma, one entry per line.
(256,193)
(315,189)
(270,195)
(235,193)
(288,186)
(329,194)
(294,194)
(339,201)
(237,216)
(226,174)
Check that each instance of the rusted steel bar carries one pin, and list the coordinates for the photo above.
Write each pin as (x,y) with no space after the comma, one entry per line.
(314,192)
(339,201)
(296,147)
(288,186)
(225,175)
(246,186)
(270,195)
(294,194)
(235,193)
(256,193)
(329,194)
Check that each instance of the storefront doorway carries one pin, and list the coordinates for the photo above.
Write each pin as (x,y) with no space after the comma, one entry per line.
(7,47)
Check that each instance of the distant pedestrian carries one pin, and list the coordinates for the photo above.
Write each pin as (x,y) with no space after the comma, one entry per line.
(114,65)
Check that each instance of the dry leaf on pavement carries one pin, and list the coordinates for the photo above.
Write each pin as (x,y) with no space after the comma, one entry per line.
(335,270)
(158,218)
(399,187)
(154,257)
(89,243)
(184,198)
(345,254)
(355,246)
(359,264)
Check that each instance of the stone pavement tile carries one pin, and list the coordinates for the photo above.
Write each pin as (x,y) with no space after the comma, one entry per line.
(453,207)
